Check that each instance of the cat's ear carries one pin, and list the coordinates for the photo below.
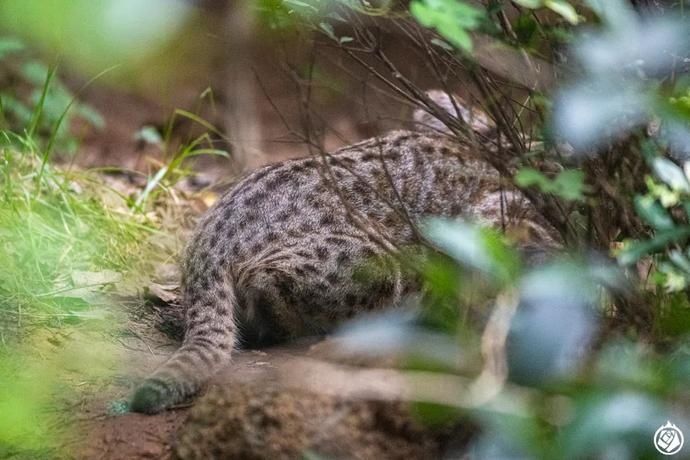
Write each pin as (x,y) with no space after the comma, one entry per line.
(454,105)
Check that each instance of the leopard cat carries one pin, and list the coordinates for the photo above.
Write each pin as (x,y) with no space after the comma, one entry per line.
(278,256)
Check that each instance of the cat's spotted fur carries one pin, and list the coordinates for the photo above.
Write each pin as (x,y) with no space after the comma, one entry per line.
(277,256)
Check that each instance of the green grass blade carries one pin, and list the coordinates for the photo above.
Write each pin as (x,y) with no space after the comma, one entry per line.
(38,110)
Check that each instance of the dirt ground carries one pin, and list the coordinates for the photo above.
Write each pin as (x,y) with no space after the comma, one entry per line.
(137,436)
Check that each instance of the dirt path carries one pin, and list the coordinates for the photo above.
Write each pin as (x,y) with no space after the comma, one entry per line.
(134,436)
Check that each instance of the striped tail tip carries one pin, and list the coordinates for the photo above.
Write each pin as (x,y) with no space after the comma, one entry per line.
(153,396)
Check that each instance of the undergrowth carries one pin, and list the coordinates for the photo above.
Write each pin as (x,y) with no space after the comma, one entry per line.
(54,229)
(73,245)
(67,241)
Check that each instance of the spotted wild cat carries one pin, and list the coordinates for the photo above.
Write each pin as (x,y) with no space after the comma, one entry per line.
(276,257)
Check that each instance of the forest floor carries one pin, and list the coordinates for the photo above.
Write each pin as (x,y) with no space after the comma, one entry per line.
(104,435)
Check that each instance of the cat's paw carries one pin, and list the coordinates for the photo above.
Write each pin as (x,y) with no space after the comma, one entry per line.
(151,397)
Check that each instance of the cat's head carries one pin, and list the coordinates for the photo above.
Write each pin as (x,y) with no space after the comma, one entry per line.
(456,106)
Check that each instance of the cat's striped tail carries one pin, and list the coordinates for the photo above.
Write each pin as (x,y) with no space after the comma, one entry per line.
(209,340)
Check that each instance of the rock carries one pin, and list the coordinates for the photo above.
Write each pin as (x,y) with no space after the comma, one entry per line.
(246,420)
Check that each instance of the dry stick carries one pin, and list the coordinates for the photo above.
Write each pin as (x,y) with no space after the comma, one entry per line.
(402,210)
(419,97)
(331,157)
(346,70)
(424,44)
(379,76)
(456,125)
(380,384)
(508,29)
(385,384)
(270,101)
(374,48)
(362,222)
(430,105)
(473,134)
(293,132)
(328,177)
(441,113)
(551,208)
(563,223)
(480,78)
(381,91)
(419,40)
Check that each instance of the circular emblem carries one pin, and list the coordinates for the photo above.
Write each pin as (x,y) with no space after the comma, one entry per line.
(668,439)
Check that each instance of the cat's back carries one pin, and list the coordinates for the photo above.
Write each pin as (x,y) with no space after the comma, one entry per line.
(377,179)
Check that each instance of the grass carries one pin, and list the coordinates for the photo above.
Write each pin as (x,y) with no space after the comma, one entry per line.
(62,250)
(53,228)
(70,243)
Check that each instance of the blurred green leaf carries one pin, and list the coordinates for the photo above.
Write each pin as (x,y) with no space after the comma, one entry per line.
(435,414)
(554,322)
(96,34)
(150,135)
(680,260)
(527,177)
(618,14)
(508,436)
(301,4)
(622,364)
(653,213)
(41,111)
(9,45)
(568,184)
(525,29)
(328,29)
(664,194)
(563,8)
(479,248)
(452,19)
(532,4)
(635,250)
(674,315)
(611,425)
(671,174)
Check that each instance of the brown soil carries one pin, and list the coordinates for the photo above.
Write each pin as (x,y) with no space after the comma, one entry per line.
(278,403)
(133,436)
(136,436)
